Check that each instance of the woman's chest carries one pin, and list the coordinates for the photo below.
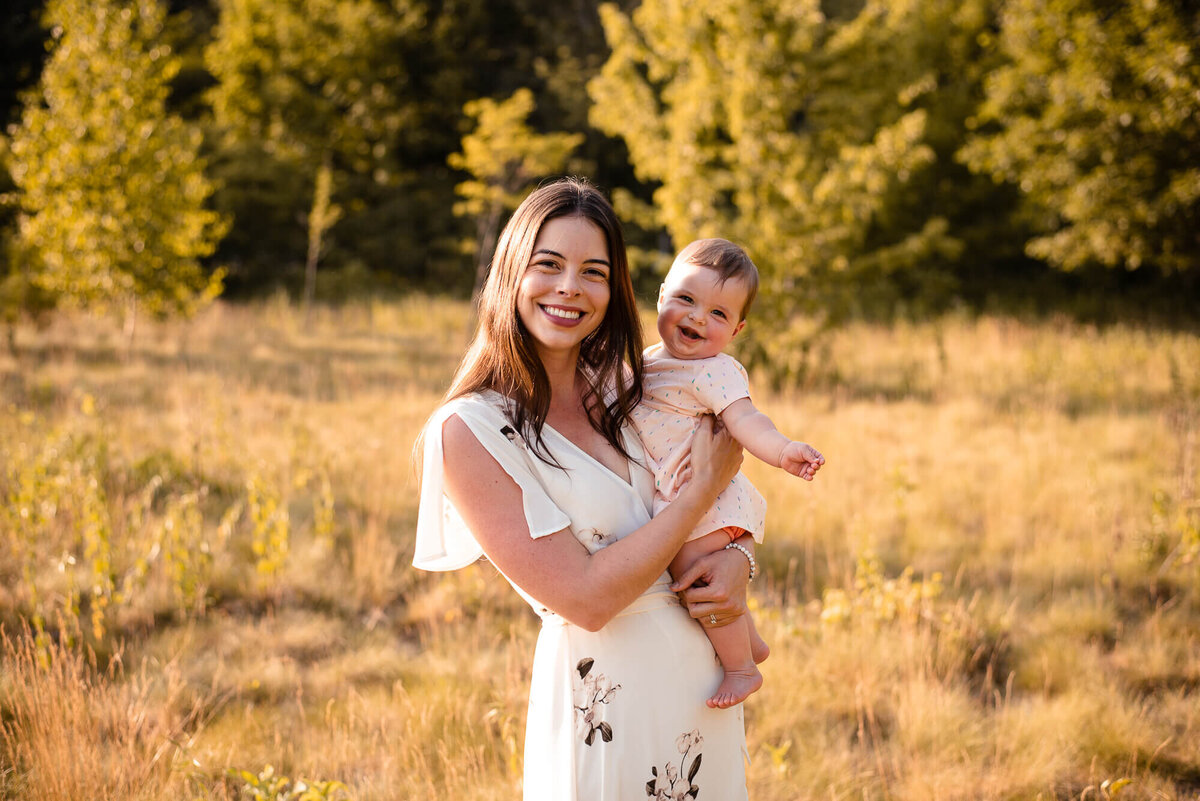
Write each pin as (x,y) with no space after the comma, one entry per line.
(602,507)
(592,444)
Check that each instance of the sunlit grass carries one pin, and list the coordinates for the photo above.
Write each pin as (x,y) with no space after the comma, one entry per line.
(233,497)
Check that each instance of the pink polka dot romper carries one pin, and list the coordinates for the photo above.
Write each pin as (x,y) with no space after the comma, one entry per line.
(676,392)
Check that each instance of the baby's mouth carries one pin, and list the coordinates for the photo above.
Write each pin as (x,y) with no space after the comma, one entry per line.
(689,334)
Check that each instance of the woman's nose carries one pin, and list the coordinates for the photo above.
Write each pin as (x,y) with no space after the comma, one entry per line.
(568,283)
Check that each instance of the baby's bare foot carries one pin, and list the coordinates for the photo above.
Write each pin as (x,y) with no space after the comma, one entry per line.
(735,687)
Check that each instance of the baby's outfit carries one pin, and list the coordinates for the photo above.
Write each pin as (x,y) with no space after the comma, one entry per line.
(675,393)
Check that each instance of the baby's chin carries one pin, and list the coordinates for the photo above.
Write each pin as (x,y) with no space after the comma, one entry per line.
(693,356)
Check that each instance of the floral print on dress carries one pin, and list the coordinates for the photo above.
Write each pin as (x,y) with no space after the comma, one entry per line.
(597,538)
(670,784)
(593,690)
(513,436)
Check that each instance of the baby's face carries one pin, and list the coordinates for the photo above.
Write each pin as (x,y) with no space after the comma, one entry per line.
(697,314)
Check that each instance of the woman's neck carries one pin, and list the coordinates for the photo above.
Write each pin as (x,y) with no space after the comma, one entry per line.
(566,401)
(562,372)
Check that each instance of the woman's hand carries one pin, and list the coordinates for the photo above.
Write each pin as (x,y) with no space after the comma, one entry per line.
(715,586)
(715,459)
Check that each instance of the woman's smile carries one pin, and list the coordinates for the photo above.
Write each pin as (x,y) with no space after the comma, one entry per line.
(567,315)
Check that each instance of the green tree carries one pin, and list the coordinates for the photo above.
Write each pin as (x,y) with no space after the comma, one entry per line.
(505,158)
(21,55)
(1095,116)
(825,146)
(306,105)
(111,190)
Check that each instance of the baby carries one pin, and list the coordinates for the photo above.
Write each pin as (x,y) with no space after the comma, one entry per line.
(702,306)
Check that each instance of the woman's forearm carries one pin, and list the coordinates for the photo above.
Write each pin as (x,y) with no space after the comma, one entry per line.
(615,576)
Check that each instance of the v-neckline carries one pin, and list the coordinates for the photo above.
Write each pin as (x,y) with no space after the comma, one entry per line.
(628,482)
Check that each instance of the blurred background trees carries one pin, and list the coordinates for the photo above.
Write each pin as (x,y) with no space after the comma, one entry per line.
(111,188)
(1095,114)
(876,158)
(503,156)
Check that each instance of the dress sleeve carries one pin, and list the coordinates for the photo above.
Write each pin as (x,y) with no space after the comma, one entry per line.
(443,540)
(720,381)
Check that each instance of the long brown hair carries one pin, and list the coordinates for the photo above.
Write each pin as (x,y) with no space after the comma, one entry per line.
(502,356)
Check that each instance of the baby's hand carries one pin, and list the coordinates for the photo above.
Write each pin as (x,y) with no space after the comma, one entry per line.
(801,459)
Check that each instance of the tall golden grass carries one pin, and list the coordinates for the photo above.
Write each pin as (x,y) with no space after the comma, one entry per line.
(992,591)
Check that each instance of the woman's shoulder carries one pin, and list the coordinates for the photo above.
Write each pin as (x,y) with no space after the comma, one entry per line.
(485,404)
(484,416)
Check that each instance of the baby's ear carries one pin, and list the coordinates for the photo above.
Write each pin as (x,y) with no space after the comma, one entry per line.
(738,328)
(662,290)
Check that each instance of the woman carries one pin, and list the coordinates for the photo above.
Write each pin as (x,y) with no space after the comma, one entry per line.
(531,462)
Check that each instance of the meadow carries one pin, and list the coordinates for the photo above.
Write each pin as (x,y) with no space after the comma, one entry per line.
(991,591)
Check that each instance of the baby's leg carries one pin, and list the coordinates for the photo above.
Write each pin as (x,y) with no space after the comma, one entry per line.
(759,649)
(731,641)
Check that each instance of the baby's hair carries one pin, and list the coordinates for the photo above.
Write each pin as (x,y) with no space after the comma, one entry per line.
(730,262)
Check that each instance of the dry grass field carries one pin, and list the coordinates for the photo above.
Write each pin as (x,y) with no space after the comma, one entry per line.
(992,590)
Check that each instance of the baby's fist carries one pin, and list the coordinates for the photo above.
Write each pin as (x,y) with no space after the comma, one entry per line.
(801,459)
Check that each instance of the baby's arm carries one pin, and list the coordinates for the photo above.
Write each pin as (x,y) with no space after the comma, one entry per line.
(757,434)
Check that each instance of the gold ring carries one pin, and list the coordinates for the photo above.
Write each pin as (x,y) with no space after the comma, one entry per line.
(712,619)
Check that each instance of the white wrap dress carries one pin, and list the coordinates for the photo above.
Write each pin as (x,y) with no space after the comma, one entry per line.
(620,713)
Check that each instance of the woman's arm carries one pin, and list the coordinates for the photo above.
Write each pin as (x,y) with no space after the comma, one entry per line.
(586,589)
(758,435)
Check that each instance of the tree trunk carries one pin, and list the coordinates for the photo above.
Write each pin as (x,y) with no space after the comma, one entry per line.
(320,219)
(129,326)
(487,231)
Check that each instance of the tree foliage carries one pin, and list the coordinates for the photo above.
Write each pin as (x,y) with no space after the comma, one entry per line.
(112,192)
(1095,115)
(505,159)
(301,85)
(874,156)
(824,146)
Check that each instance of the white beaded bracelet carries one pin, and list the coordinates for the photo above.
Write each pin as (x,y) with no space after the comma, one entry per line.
(746,552)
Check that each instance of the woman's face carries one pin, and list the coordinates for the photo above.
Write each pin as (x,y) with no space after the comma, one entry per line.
(564,292)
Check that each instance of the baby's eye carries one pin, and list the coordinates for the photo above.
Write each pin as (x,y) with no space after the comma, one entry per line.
(719,313)
(686,298)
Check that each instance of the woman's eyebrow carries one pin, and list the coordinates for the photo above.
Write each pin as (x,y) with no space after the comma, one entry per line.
(558,255)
